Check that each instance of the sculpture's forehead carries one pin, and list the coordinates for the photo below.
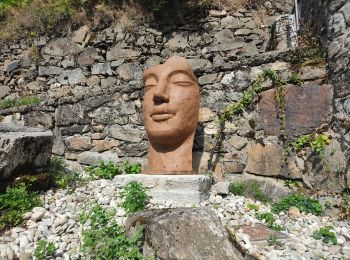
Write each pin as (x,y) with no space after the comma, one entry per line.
(172,64)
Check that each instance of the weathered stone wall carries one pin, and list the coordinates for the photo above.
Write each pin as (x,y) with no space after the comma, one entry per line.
(339,71)
(91,89)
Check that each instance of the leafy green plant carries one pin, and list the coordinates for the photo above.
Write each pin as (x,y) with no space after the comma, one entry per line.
(14,203)
(134,197)
(104,170)
(319,142)
(103,238)
(303,203)
(325,234)
(130,168)
(237,188)
(269,220)
(253,207)
(301,142)
(45,250)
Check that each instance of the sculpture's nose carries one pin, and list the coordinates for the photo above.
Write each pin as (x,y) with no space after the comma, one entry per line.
(161,94)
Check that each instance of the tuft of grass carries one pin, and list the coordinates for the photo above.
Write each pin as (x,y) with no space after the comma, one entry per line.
(237,188)
(14,203)
(23,101)
(103,238)
(249,189)
(303,203)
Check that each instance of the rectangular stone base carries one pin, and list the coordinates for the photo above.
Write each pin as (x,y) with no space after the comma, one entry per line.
(178,190)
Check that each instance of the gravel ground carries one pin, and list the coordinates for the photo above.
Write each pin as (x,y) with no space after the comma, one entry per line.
(58,221)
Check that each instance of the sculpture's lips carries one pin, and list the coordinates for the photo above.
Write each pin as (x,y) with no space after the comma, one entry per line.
(162,117)
(161,114)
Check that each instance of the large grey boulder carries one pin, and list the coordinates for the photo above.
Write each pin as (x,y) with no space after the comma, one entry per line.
(183,233)
(23,150)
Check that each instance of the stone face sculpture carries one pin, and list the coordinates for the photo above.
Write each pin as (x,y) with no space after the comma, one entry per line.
(171,108)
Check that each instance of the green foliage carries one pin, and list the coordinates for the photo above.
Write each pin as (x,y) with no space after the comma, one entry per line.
(269,220)
(6,103)
(294,79)
(130,168)
(253,207)
(105,239)
(301,142)
(317,142)
(134,197)
(104,170)
(303,203)
(14,203)
(61,178)
(45,250)
(325,234)
(249,189)
(237,188)
(309,51)
(28,101)
(23,101)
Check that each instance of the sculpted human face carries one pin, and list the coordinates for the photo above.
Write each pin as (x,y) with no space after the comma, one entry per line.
(171,102)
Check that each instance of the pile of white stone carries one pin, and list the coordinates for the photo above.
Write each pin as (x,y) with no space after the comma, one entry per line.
(57,221)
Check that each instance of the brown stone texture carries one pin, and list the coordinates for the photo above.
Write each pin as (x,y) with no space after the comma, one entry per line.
(104,145)
(265,160)
(183,233)
(79,143)
(307,107)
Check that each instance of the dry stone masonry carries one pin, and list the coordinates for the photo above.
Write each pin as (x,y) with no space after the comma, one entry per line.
(90,87)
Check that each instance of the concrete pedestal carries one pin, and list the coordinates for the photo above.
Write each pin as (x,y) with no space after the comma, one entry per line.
(181,190)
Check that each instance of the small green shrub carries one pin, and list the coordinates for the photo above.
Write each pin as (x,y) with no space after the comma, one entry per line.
(104,170)
(134,197)
(45,250)
(14,203)
(105,239)
(325,234)
(237,188)
(269,220)
(301,142)
(130,168)
(303,203)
